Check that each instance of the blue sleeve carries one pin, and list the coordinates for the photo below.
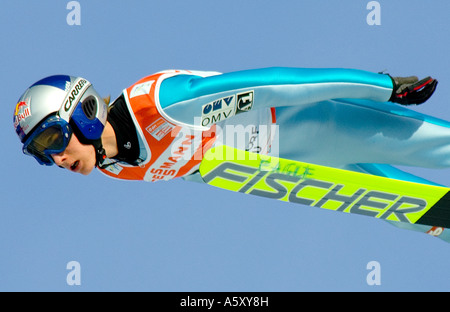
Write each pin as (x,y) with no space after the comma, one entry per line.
(183,96)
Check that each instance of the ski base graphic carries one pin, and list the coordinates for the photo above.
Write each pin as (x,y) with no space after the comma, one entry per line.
(325,187)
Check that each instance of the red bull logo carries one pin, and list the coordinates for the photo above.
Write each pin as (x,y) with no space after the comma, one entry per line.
(21,112)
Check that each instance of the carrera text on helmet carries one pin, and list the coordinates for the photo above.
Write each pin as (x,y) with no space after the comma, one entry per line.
(74,93)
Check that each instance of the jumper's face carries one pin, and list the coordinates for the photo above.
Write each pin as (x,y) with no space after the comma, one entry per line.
(77,157)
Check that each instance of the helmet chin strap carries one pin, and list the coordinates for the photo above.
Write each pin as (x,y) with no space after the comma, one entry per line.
(100,154)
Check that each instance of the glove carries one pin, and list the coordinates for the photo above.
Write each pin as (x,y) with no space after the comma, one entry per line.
(409,90)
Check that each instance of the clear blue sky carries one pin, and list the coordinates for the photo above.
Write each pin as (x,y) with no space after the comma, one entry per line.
(181,236)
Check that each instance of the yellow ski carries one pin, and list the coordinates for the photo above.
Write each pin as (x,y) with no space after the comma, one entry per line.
(325,187)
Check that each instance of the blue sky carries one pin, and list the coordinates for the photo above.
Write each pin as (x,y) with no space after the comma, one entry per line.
(181,236)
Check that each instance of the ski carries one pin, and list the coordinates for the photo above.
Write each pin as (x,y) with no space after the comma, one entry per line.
(326,187)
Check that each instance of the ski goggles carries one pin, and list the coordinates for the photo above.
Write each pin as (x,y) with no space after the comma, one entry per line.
(50,137)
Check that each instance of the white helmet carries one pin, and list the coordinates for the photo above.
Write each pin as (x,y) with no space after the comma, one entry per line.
(52,109)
